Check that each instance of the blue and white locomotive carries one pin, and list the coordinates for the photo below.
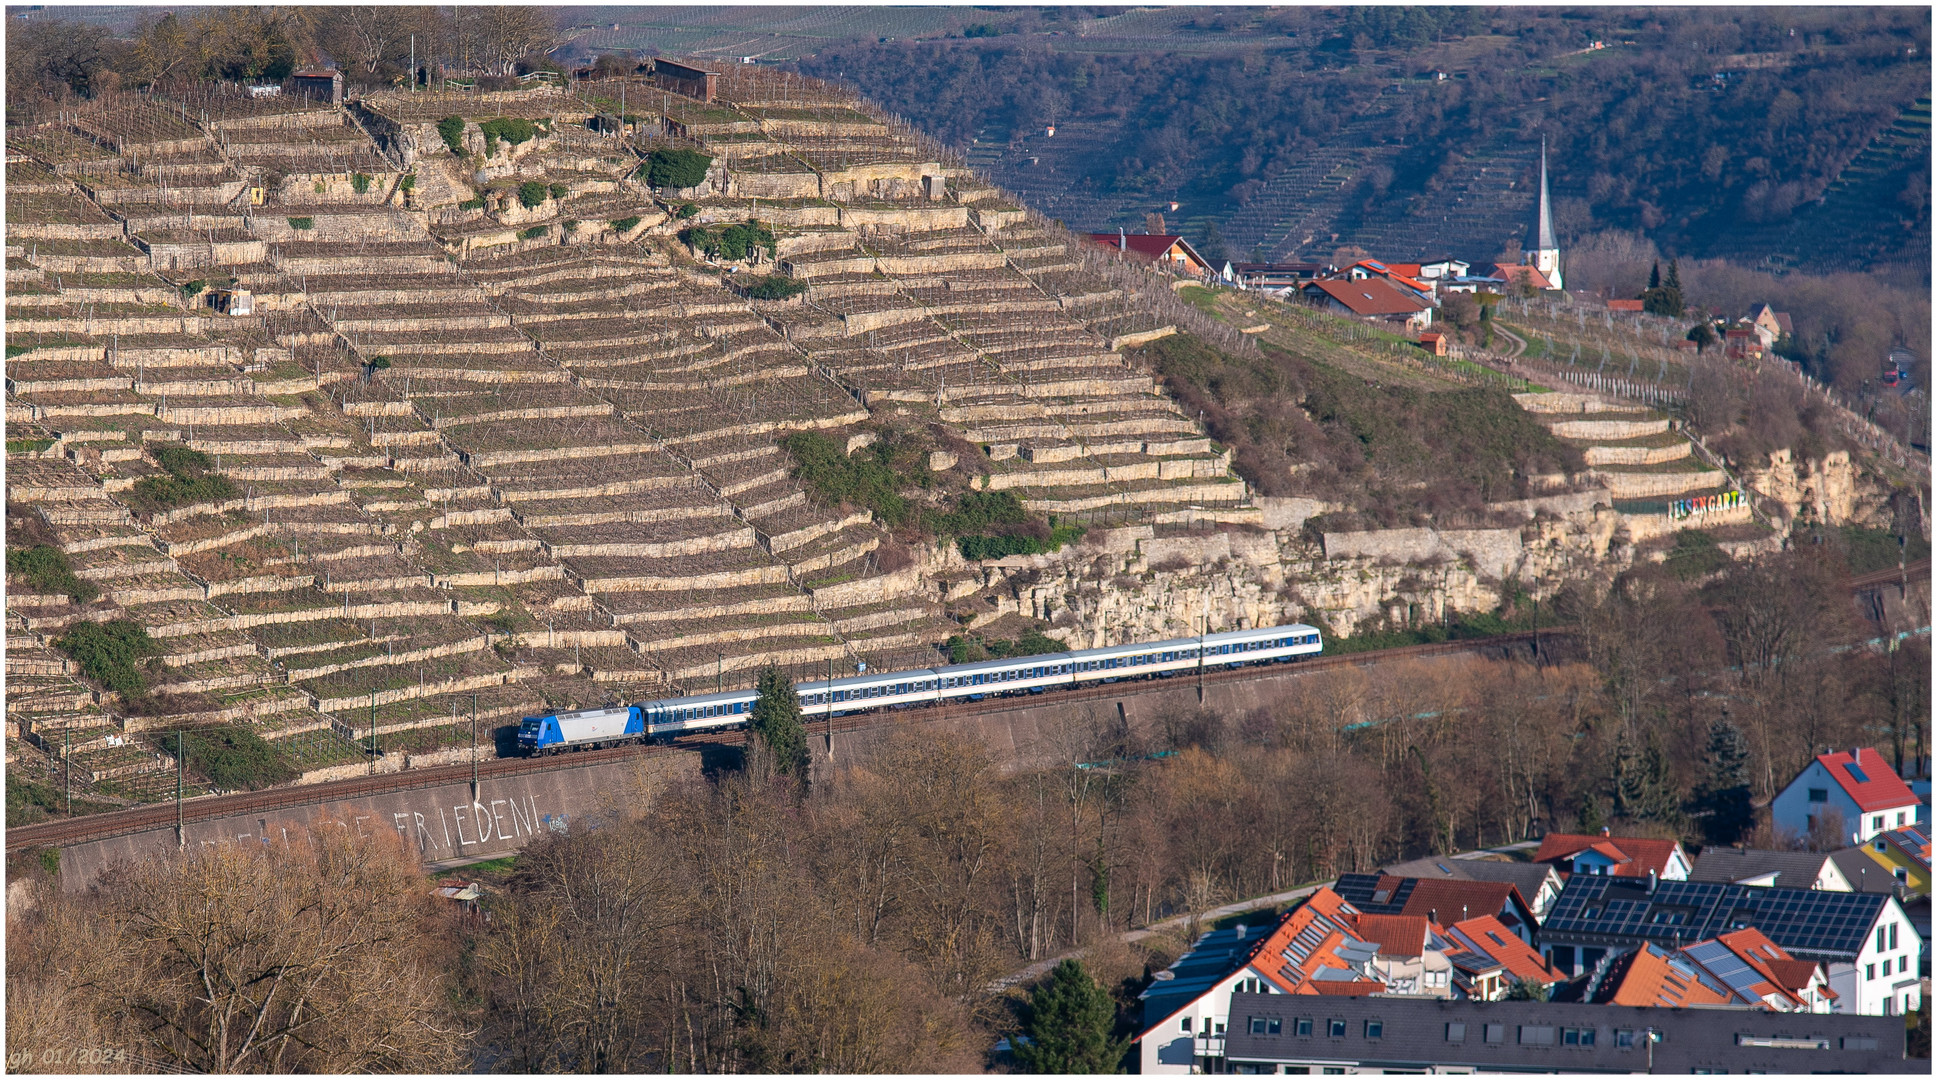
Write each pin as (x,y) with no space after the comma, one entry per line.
(668,717)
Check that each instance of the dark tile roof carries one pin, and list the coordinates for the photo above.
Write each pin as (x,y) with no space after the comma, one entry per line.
(1793,869)
(1413,1034)
(1527,877)
(1445,900)
(1865,874)
(1621,913)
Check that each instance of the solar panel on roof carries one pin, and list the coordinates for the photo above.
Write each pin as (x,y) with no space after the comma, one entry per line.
(1857,773)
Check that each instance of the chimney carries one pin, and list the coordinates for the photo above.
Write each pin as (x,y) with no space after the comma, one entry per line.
(1432,916)
(1653,880)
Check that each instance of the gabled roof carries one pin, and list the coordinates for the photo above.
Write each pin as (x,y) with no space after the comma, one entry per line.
(1316,939)
(1527,877)
(1370,296)
(1633,856)
(1867,779)
(1653,976)
(1443,900)
(1215,956)
(1406,277)
(1864,874)
(1746,967)
(1490,938)
(1511,273)
(1395,935)
(1148,245)
(1618,912)
(1752,866)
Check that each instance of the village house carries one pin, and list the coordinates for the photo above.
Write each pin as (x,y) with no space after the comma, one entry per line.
(1168,251)
(1441,900)
(1538,883)
(1372,299)
(1775,869)
(1619,856)
(1273,276)
(1488,958)
(1741,968)
(1904,854)
(1853,791)
(1866,941)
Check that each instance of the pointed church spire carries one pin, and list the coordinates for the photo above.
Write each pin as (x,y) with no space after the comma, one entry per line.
(1547,256)
(1546,232)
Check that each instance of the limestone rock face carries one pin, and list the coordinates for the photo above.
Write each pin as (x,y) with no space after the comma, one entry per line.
(1830,489)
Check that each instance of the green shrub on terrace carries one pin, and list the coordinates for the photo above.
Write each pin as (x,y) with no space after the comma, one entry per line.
(28,446)
(110,653)
(509,129)
(532,194)
(864,478)
(1695,555)
(560,191)
(686,211)
(188,479)
(534,232)
(996,547)
(475,202)
(408,183)
(670,168)
(361,182)
(624,224)
(192,289)
(776,287)
(571,225)
(732,243)
(452,129)
(973,647)
(45,568)
(302,223)
(16,350)
(233,758)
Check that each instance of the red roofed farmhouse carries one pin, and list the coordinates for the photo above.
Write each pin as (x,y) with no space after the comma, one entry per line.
(1173,253)
(1857,787)
(1371,298)
(1617,856)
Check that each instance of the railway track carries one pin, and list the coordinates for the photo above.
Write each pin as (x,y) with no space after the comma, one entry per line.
(161,815)
(1917,570)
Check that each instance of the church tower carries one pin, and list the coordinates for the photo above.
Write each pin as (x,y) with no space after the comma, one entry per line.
(1546,257)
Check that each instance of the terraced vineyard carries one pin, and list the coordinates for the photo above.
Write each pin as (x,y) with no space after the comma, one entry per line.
(1860,221)
(355,427)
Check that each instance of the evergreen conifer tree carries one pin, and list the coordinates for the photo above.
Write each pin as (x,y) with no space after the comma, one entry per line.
(1654,277)
(776,721)
(1722,799)
(1066,1025)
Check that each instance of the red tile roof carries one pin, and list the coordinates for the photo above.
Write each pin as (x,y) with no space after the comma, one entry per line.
(1489,937)
(1647,977)
(1512,273)
(1624,305)
(1148,245)
(1449,899)
(1305,942)
(1634,856)
(1395,935)
(1345,987)
(1371,296)
(1879,790)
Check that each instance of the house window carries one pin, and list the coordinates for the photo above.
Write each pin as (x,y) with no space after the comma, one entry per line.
(1893,935)
(1882,939)
(1900,815)
(1184,1024)
(1818,795)
(1577,1036)
(1876,822)
(1624,1039)
(1257,1025)
(1495,1033)
(1375,1029)
(1302,1026)
(1335,1028)
(1455,1032)
(1869,972)
(1266,1025)
(1536,1035)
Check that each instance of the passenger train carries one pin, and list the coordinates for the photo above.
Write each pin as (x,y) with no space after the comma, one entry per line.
(669,717)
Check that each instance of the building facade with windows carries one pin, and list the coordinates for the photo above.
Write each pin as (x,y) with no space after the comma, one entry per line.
(1275,1034)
